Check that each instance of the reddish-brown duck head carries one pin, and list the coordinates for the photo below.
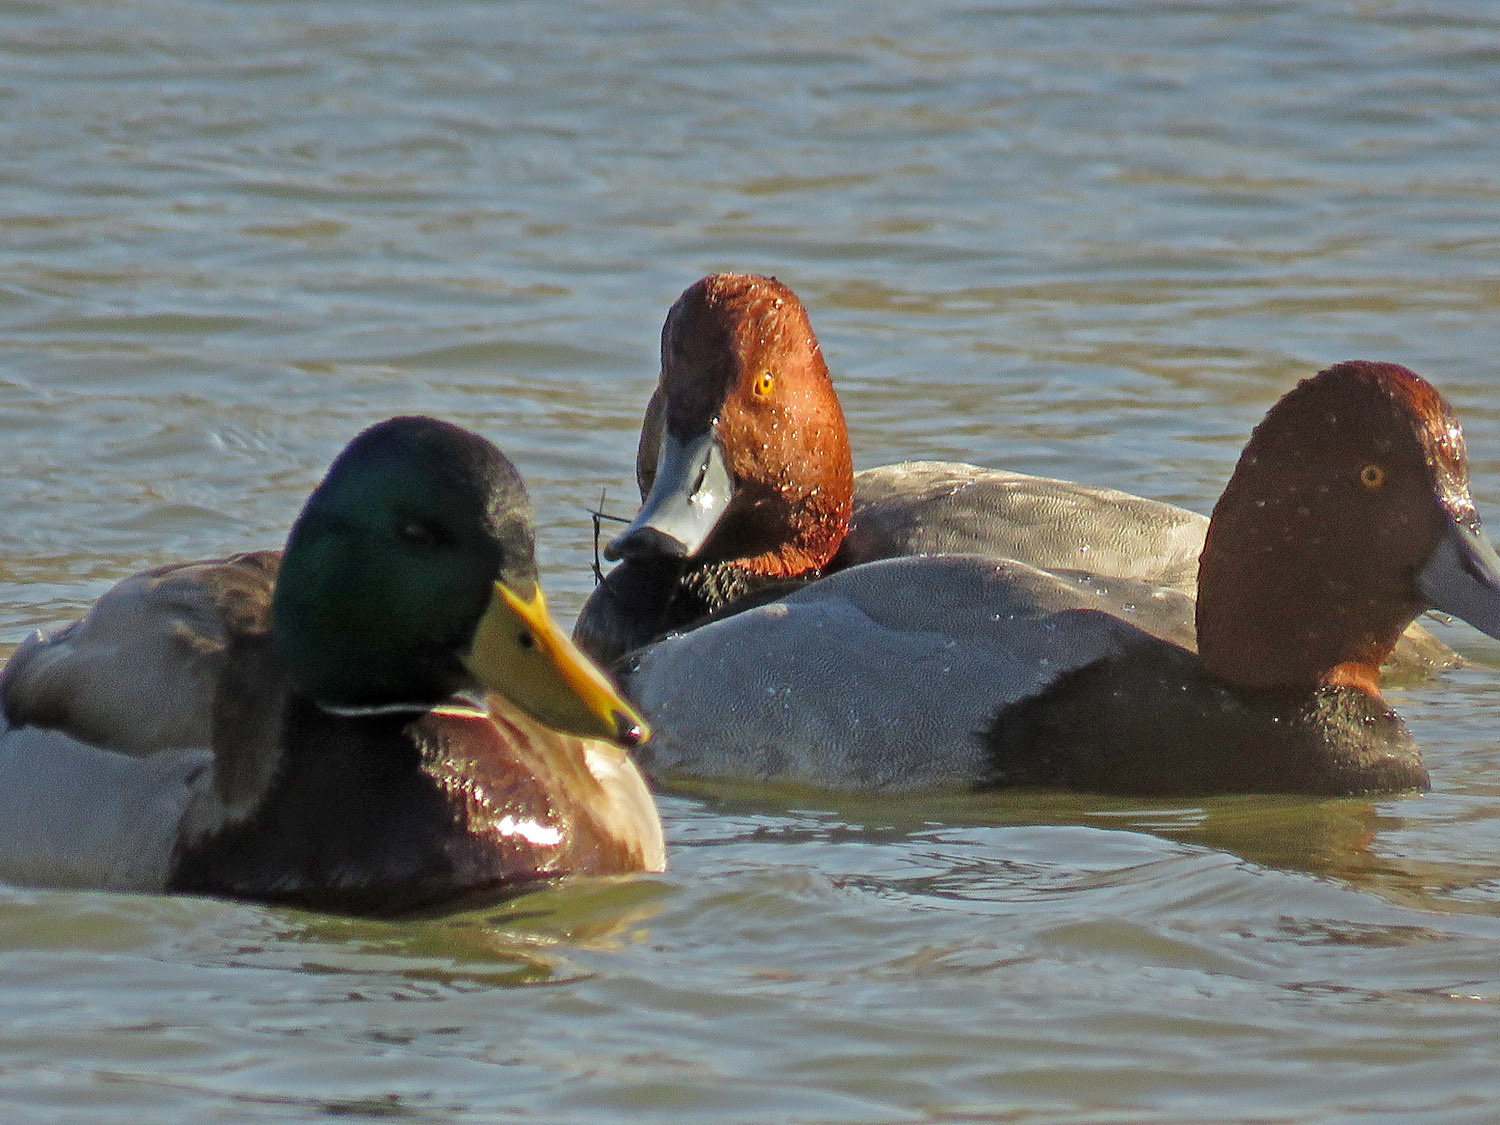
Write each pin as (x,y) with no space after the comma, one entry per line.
(1349,513)
(744,457)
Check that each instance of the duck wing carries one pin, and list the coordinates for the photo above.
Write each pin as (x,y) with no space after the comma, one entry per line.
(138,674)
(949,508)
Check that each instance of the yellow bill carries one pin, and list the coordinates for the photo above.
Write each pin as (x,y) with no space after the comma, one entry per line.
(520,653)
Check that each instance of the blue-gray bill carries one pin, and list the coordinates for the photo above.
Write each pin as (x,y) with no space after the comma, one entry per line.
(693,487)
(1462,577)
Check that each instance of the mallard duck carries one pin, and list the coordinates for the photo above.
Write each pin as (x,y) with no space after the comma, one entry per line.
(391,721)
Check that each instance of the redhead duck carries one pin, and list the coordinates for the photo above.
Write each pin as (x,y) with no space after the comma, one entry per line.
(743,464)
(382,717)
(748,490)
(1348,514)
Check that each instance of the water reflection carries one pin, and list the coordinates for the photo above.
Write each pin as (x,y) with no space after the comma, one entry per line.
(532,938)
(1337,838)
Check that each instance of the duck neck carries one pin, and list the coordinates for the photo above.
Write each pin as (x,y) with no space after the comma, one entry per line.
(804,558)
(768,537)
(1283,604)
(708,589)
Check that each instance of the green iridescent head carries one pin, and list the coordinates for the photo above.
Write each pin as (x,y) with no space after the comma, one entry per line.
(393,560)
(411,574)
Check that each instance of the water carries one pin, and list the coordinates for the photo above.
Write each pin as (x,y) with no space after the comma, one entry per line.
(1091,240)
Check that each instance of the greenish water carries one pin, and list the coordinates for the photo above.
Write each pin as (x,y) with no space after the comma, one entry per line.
(1090,240)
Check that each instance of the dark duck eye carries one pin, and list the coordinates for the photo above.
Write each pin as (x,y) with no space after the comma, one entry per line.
(417,533)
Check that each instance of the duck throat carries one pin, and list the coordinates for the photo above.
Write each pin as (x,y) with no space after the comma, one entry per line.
(778,533)
(792,561)
(1282,604)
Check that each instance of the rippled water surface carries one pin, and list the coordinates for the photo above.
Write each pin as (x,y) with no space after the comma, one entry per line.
(1091,240)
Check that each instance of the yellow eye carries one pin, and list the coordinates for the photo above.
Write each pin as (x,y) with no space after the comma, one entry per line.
(763,384)
(1372,476)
